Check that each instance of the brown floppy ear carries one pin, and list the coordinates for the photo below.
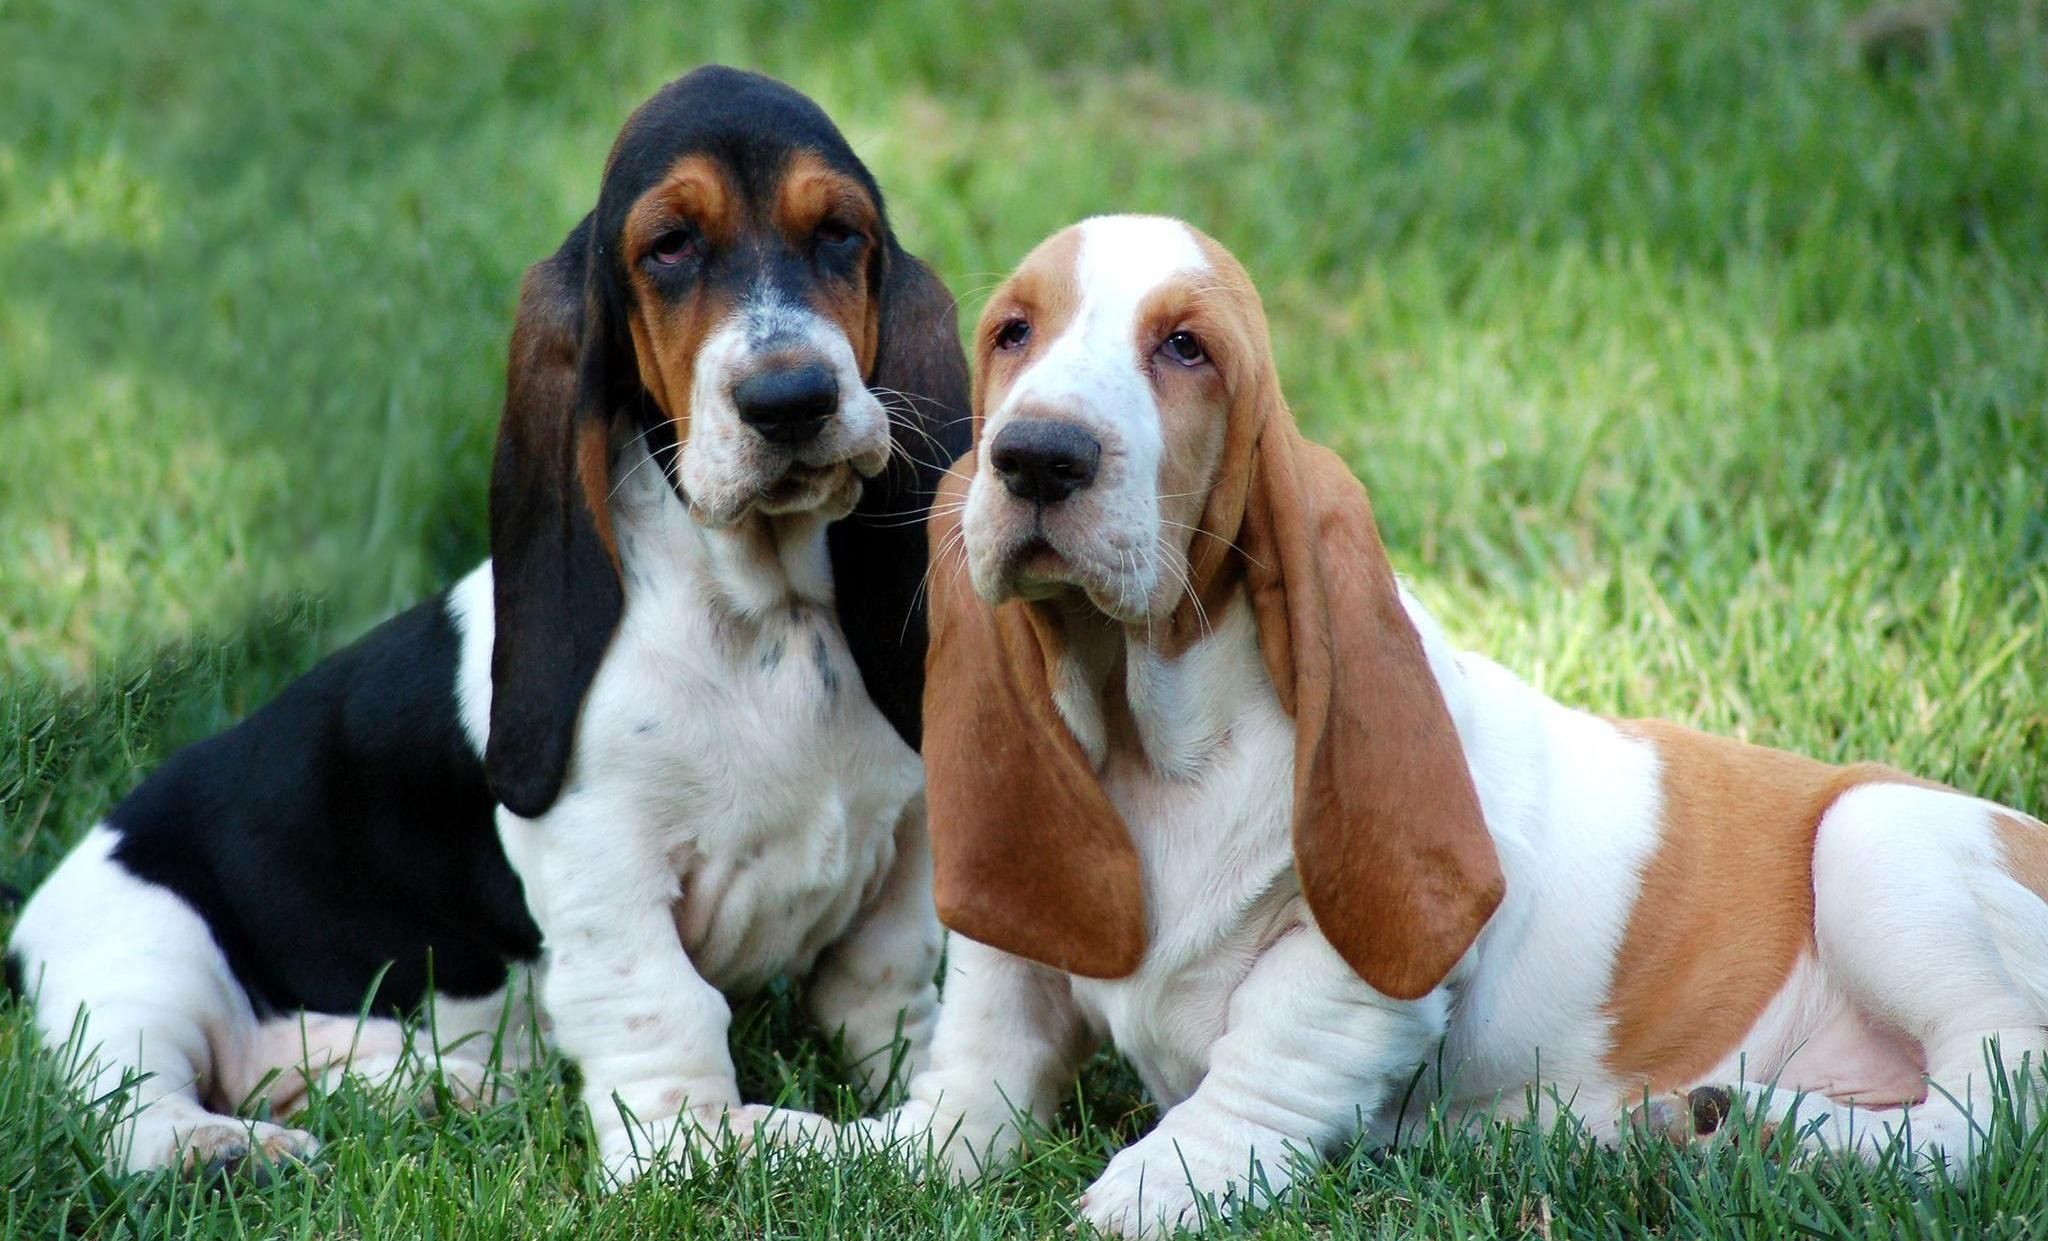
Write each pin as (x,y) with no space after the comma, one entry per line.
(1028,854)
(1393,854)
(554,567)
(878,551)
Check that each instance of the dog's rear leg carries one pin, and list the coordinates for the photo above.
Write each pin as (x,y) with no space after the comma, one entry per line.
(163,1017)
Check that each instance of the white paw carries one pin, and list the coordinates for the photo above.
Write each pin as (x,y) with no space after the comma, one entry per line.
(251,1150)
(885,1045)
(463,1084)
(1158,1184)
(701,1135)
(932,1143)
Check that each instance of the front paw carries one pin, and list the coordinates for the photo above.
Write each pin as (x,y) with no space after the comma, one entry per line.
(1164,1182)
(932,1142)
(885,1042)
(699,1136)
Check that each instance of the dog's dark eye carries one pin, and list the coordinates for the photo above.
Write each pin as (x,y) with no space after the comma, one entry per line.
(673,247)
(834,235)
(1013,333)
(1183,348)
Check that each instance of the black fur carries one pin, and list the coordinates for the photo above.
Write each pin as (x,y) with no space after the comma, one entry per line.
(558,598)
(343,826)
(556,595)
(346,828)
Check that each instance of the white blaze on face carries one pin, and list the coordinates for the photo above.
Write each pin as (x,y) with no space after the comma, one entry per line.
(726,468)
(1094,374)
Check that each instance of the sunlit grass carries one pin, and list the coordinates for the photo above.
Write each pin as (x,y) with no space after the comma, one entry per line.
(1698,367)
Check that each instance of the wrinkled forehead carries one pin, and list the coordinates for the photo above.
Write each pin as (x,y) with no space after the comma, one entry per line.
(1089,285)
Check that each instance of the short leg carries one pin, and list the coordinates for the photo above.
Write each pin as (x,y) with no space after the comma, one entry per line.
(878,982)
(1008,1041)
(1310,1054)
(461,1051)
(162,1012)
(647,1030)
(1953,974)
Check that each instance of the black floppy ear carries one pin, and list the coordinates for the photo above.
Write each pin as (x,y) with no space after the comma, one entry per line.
(878,552)
(554,566)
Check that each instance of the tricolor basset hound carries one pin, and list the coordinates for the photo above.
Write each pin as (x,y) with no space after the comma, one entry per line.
(663,744)
(1204,781)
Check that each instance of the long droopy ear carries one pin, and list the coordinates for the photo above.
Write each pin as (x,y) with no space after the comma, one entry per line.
(1389,842)
(1392,852)
(555,575)
(878,551)
(1028,853)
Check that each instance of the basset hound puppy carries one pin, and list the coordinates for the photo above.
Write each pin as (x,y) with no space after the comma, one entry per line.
(663,745)
(1204,781)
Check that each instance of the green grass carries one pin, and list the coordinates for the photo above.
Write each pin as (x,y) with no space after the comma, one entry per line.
(1698,364)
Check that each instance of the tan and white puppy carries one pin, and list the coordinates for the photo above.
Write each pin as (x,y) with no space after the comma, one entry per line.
(1204,781)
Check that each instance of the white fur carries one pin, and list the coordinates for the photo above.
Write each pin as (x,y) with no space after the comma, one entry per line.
(727,470)
(735,808)
(164,1016)
(1109,535)
(1264,1048)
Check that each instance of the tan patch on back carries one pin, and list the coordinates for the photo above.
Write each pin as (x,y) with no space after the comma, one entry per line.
(667,334)
(1726,903)
(2024,844)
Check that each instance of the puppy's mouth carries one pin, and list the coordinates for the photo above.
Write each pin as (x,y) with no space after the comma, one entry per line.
(1037,563)
(1036,568)
(834,485)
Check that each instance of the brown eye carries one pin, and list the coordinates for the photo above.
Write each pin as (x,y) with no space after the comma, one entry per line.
(1012,334)
(833,235)
(1183,348)
(673,247)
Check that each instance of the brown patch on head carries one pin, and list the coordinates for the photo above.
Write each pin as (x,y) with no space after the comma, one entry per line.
(1395,862)
(1211,419)
(816,202)
(1726,903)
(1044,293)
(695,195)
(2023,842)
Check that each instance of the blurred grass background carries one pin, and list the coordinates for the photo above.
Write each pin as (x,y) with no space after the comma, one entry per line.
(1696,355)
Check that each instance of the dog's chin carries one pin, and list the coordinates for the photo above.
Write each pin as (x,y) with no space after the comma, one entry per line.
(1036,571)
(829,491)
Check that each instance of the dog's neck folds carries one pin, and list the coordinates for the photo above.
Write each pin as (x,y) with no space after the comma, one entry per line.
(1125,697)
(1120,691)
(760,567)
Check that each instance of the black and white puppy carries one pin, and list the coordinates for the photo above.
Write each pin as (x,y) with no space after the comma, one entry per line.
(662,746)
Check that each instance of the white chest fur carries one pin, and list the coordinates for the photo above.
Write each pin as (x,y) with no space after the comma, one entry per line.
(1209,806)
(726,738)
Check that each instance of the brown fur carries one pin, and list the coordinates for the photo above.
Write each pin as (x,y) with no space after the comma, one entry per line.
(540,384)
(667,335)
(2024,844)
(810,193)
(1030,854)
(1726,904)
(1393,856)
(1043,292)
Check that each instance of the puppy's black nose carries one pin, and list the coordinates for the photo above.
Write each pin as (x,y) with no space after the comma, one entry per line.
(1045,459)
(790,405)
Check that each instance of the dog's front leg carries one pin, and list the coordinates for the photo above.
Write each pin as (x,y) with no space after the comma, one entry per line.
(1308,1055)
(1008,1043)
(879,981)
(620,992)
